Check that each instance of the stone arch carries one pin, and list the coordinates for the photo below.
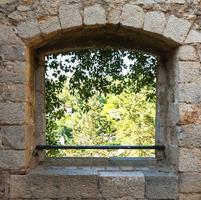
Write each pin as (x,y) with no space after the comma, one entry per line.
(177,37)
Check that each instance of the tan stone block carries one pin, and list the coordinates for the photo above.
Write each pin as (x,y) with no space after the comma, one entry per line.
(53,183)
(117,184)
(16,137)
(194,196)
(70,16)
(29,30)
(187,72)
(189,136)
(94,16)
(177,28)
(193,37)
(132,16)
(8,36)
(12,159)
(114,16)
(190,182)
(49,25)
(154,22)
(12,72)
(12,113)
(190,160)
(186,53)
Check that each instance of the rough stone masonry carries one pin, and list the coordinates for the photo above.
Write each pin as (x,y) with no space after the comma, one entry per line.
(168,28)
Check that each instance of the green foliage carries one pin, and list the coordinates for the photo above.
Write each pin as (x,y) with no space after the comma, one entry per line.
(96,82)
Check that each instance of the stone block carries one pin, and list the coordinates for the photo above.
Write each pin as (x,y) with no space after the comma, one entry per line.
(16,137)
(186,53)
(8,35)
(189,136)
(188,92)
(160,185)
(194,196)
(193,37)
(49,25)
(118,184)
(154,22)
(12,92)
(94,16)
(12,159)
(114,16)
(29,30)
(70,16)
(177,29)
(187,72)
(132,16)
(12,113)
(12,52)
(12,72)
(190,160)
(190,183)
(56,184)
(4,184)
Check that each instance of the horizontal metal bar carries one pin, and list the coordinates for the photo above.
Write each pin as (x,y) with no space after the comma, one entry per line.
(48,147)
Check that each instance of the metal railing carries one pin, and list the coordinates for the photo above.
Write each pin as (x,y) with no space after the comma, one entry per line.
(103,147)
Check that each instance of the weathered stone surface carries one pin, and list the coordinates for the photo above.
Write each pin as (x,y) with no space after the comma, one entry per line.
(12,52)
(12,92)
(94,15)
(189,92)
(70,16)
(4,184)
(177,28)
(187,72)
(184,196)
(12,72)
(117,184)
(114,16)
(193,37)
(12,159)
(12,113)
(154,22)
(132,16)
(57,184)
(160,185)
(189,136)
(186,53)
(29,30)
(190,160)
(8,35)
(49,25)
(190,182)
(16,137)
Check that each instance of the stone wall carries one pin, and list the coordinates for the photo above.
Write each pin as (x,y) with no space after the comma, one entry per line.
(168,28)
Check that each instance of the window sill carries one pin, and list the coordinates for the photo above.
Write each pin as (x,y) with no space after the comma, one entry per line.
(56,178)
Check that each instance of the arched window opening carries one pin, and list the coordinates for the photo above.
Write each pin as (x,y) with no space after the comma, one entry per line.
(100,97)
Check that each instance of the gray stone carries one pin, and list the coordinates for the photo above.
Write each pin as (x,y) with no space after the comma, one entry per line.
(57,184)
(188,92)
(193,37)
(189,136)
(12,113)
(49,25)
(16,137)
(189,160)
(154,22)
(4,185)
(12,72)
(12,159)
(94,15)
(177,28)
(187,72)
(8,36)
(29,30)
(118,184)
(190,182)
(70,16)
(186,53)
(160,185)
(132,16)
(12,52)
